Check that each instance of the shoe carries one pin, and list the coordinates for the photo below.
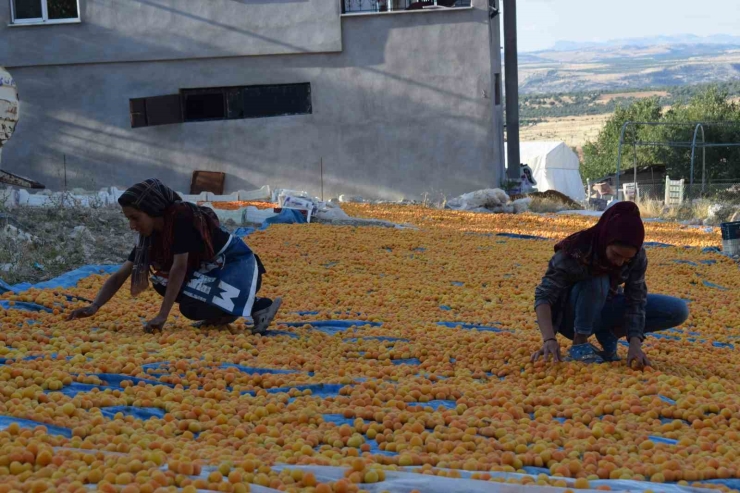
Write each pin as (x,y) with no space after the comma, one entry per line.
(608,342)
(263,318)
(585,353)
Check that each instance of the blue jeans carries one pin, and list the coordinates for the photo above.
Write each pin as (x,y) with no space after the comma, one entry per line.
(590,313)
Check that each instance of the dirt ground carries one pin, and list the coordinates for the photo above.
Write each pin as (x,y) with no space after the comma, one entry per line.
(63,239)
(573,130)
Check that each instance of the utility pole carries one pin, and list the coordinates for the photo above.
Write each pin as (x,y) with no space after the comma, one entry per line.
(511,67)
(496,92)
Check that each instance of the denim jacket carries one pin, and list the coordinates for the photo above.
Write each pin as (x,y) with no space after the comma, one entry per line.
(564,272)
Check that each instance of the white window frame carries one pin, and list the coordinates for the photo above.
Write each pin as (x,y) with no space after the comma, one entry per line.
(44,19)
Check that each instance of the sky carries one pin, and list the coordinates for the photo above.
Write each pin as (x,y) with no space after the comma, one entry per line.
(541,23)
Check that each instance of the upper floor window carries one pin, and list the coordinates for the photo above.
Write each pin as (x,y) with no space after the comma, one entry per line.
(370,6)
(44,11)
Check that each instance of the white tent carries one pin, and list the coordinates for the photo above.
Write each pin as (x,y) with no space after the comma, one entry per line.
(555,167)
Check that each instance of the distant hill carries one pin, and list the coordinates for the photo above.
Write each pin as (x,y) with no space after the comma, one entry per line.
(681,39)
(630,64)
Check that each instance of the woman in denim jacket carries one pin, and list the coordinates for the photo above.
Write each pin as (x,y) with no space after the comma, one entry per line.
(581,294)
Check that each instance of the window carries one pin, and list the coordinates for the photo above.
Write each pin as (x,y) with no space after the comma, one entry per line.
(277,100)
(204,104)
(497,90)
(222,103)
(157,110)
(229,103)
(44,11)
(375,6)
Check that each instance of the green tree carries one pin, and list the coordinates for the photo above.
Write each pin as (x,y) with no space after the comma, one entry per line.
(600,157)
(710,105)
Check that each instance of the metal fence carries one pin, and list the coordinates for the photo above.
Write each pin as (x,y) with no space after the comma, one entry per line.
(366,6)
(656,191)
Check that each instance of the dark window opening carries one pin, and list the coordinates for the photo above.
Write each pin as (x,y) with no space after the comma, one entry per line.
(32,11)
(222,103)
(27,9)
(62,9)
(497,90)
(277,100)
(204,104)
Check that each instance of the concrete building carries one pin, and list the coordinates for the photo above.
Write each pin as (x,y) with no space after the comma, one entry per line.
(396,98)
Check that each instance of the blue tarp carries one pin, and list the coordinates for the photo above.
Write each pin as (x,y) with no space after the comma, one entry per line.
(723,344)
(340,420)
(666,441)
(6,421)
(258,371)
(409,361)
(377,338)
(715,286)
(276,333)
(662,336)
(75,388)
(287,216)
(482,328)
(375,448)
(5,287)
(435,404)
(332,327)
(687,262)
(244,231)
(142,413)
(68,280)
(115,380)
(521,237)
(22,305)
(317,390)
(667,400)
(656,244)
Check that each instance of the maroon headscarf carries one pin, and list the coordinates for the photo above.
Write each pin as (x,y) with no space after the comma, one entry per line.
(620,224)
(158,200)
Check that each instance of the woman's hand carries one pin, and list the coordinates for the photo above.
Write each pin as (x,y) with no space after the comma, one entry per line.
(549,348)
(86,312)
(636,354)
(157,323)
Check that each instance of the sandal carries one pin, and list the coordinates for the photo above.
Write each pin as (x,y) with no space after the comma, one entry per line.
(263,318)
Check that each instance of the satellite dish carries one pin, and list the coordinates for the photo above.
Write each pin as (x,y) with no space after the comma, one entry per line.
(9,111)
(9,105)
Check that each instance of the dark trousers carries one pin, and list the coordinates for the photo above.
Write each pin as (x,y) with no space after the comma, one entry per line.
(590,312)
(201,311)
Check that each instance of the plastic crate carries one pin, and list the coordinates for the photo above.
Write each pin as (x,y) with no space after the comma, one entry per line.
(731,237)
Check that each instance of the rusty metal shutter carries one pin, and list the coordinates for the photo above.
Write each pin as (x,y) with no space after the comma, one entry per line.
(207,181)
(157,110)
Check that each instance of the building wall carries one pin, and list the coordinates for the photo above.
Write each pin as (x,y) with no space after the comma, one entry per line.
(139,30)
(404,109)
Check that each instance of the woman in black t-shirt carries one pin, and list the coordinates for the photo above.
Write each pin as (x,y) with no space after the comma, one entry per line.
(212,275)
